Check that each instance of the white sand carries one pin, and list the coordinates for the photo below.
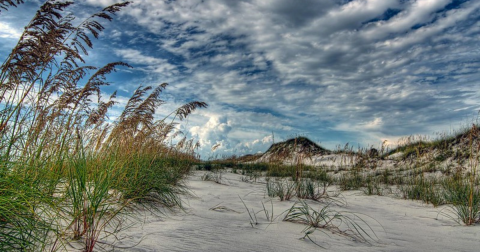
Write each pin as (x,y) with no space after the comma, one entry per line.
(407,225)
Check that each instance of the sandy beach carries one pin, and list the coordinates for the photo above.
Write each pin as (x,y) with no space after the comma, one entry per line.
(215,219)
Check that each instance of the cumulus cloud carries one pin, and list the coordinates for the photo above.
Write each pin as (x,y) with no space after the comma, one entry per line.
(213,131)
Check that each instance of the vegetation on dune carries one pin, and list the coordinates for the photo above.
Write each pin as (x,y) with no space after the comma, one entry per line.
(68,174)
(423,171)
(455,146)
(298,144)
(443,172)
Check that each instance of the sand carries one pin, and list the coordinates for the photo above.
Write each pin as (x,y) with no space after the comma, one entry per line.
(215,219)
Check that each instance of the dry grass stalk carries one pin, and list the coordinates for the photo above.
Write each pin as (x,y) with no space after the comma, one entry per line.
(59,147)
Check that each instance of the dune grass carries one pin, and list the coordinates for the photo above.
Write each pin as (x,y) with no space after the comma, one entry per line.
(464,200)
(68,174)
(282,188)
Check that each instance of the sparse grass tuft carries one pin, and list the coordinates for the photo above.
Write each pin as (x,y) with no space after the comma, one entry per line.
(347,224)
(215,176)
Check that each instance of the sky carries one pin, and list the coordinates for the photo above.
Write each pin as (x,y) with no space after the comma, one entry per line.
(336,71)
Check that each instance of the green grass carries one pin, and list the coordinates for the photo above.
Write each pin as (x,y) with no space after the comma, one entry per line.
(420,188)
(310,189)
(353,180)
(373,186)
(463,199)
(21,227)
(284,189)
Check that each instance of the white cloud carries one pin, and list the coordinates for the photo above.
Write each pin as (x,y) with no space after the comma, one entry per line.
(375,124)
(148,63)
(136,57)
(8,32)
(416,13)
(102,3)
(213,131)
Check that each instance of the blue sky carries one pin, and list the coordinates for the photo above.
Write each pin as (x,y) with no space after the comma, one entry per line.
(336,71)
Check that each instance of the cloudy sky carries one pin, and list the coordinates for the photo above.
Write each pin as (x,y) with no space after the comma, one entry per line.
(336,71)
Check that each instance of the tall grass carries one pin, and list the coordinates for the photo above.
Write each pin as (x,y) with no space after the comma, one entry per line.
(67,172)
(20,225)
(464,193)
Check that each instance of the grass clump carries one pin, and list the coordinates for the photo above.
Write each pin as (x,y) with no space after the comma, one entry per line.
(282,188)
(373,186)
(353,180)
(310,189)
(421,188)
(464,201)
(464,194)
